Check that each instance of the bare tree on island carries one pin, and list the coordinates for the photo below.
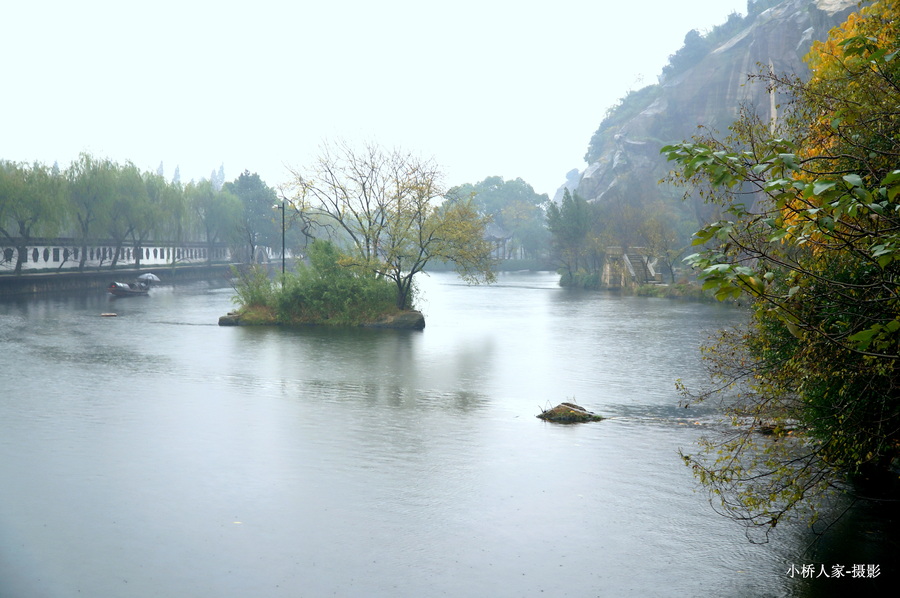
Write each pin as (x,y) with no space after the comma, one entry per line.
(386,209)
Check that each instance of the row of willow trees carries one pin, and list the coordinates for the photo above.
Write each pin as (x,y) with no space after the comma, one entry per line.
(99,200)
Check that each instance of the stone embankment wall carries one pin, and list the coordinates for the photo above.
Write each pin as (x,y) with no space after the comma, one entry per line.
(64,255)
(63,282)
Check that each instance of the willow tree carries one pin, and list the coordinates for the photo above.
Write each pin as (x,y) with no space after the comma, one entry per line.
(812,237)
(163,215)
(384,208)
(218,215)
(30,204)
(129,207)
(91,189)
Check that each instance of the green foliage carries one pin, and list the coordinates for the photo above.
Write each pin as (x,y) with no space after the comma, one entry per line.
(219,215)
(253,288)
(90,184)
(697,46)
(580,279)
(664,233)
(584,235)
(31,203)
(810,233)
(515,211)
(570,224)
(828,231)
(453,233)
(129,209)
(634,102)
(259,224)
(679,290)
(327,292)
(98,199)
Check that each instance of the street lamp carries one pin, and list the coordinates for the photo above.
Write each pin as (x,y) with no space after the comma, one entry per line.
(282,240)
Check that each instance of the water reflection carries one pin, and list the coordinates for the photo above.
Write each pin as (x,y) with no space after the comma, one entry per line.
(157,454)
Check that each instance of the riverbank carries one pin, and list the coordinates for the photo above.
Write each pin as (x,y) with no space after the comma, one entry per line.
(408,319)
(66,282)
(683,291)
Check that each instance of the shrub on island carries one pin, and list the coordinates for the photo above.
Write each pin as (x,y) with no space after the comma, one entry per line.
(327,291)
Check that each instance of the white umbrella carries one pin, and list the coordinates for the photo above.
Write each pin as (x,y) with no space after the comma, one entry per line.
(149,277)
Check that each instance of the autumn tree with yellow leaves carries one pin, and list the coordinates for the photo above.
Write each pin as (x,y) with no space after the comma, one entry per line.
(811,235)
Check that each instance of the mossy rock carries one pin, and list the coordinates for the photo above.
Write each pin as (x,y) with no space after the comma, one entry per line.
(403,320)
(231,319)
(569,413)
(248,317)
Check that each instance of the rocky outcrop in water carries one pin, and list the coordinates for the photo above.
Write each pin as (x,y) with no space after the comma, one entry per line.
(568,413)
(232,318)
(404,320)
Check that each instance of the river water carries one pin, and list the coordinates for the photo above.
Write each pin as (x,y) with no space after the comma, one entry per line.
(158,454)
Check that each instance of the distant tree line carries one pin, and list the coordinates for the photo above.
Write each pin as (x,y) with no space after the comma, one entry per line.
(98,199)
(517,215)
(582,233)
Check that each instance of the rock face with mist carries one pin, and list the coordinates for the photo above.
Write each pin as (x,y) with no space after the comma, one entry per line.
(704,86)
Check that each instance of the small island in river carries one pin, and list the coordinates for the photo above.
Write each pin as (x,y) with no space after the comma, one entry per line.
(322,293)
(403,320)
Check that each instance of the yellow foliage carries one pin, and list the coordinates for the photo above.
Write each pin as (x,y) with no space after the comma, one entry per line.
(853,101)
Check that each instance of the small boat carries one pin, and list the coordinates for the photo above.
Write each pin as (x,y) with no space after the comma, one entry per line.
(124,289)
(129,289)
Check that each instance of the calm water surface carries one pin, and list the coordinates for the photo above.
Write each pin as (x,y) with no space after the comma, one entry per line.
(157,454)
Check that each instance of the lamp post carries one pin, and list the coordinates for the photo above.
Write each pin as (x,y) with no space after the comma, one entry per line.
(282,241)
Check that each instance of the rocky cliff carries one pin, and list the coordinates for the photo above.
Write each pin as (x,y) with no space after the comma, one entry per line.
(704,86)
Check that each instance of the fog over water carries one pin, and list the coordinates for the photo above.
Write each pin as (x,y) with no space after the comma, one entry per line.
(157,454)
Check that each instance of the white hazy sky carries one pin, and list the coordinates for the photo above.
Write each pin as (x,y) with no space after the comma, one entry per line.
(485,87)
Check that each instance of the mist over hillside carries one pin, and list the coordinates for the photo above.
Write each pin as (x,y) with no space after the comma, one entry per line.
(704,85)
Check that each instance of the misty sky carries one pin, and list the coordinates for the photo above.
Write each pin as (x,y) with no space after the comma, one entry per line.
(487,87)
